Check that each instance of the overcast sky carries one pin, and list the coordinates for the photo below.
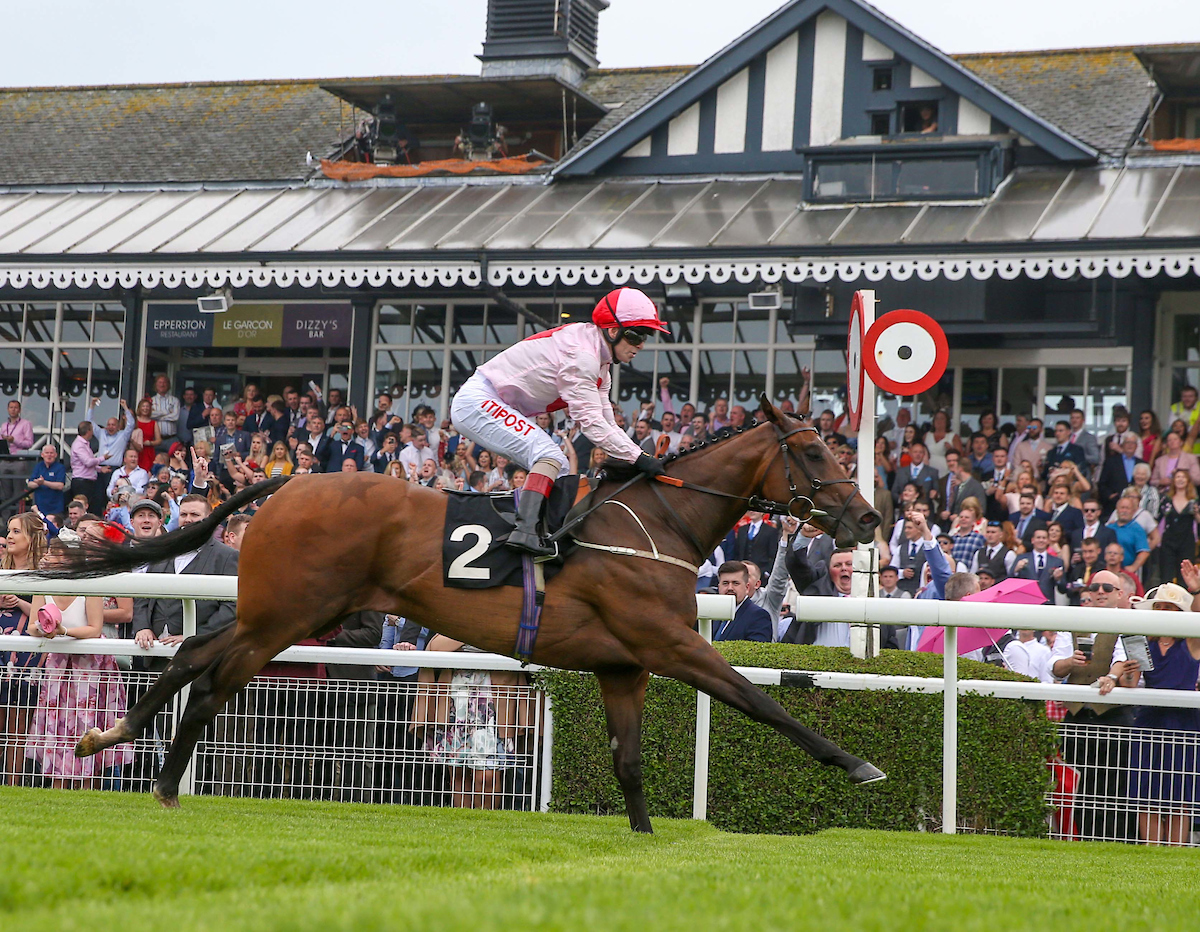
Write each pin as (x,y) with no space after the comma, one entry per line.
(152,41)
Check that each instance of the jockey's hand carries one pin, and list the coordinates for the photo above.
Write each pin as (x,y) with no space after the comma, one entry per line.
(650,465)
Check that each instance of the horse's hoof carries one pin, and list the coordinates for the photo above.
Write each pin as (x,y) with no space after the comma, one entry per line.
(866,773)
(89,744)
(167,801)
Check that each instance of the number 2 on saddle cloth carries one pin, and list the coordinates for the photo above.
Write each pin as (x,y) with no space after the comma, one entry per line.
(473,551)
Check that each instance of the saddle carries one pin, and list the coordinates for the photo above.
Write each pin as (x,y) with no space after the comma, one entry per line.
(477,525)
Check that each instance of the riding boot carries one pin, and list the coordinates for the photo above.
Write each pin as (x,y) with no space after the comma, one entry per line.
(524,536)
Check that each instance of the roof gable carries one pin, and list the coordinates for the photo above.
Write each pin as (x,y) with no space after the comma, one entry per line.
(812,44)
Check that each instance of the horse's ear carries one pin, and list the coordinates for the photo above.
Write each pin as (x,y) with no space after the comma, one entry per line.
(773,414)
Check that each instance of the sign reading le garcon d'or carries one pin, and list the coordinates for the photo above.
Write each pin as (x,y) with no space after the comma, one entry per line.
(258,325)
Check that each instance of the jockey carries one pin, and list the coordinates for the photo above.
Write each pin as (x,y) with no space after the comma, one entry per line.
(568,367)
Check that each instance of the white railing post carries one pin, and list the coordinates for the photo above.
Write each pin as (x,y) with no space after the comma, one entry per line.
(547,750)
(703,723)
(950,732)
(186,786)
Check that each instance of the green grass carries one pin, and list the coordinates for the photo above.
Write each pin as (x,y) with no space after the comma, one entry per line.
(92,861)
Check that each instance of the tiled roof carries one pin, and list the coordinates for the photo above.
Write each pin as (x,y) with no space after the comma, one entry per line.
(1099,96)
(249,131)
(624,91)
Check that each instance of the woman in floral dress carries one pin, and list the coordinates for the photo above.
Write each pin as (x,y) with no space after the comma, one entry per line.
(79,692)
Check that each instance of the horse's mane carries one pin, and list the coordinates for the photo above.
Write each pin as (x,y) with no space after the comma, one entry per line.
(622,471)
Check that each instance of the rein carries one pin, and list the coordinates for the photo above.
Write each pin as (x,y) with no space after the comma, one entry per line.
(799,506)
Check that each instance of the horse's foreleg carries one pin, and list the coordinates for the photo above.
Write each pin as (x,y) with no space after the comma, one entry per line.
(693,661)
(624,693)
(194,656)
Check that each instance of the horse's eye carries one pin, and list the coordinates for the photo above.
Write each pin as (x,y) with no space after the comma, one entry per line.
(814,455)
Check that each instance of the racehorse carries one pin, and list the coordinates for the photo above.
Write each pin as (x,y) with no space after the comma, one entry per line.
(353,542)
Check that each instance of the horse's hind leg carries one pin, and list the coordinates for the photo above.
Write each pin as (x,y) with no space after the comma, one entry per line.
(194,656)
(693,661)
(624,693)
(236,666)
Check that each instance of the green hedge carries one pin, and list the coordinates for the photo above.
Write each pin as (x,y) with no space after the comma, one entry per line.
(760,782)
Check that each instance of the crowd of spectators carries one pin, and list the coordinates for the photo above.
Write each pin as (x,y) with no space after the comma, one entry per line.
(1093,518)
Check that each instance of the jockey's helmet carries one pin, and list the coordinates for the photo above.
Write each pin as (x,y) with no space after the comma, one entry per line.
(631,311)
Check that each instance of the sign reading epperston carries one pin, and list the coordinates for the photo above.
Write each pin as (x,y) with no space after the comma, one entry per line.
(258,325)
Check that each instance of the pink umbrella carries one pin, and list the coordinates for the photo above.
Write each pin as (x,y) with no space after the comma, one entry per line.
(1011,591)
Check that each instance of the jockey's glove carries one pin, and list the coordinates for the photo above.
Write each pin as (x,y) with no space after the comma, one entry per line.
(650,465)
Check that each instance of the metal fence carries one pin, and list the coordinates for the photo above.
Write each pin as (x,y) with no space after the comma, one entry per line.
(408,742)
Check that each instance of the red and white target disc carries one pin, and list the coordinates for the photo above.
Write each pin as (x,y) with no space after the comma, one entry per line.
(905,352)
(854,363)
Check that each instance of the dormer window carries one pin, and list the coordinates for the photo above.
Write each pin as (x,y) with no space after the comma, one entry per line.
(919,116)
(881,79)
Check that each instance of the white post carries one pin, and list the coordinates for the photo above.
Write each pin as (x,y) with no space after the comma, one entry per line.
(703,722)
(864,641)
(186,787)
(547,750)
(950,732)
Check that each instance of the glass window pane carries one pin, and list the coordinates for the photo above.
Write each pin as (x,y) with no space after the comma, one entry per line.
(391,372)
(39,323)
(395,324)
(1064,392)
(462,364)
(716,325)
(1180,214)
(844,179)
(1077,204)
(639,227)
(1020,394)
(501,326)
(106,373)
(979,395)
(1106,390)
(11,316)
(1018,206)
(828,381)
(709,214)
(676,367)
(35,389)
(72,375)
(1131,204)
(750,378)
(933,177)
(77,323)
(753,326)
(944,225)
(109,323)
(452,212)
(469,323)
(489,220)
(877,225)
(591,218)
(10,372)
(765,213)
(638,385)
(1187,337)
(811,227)
(523,231)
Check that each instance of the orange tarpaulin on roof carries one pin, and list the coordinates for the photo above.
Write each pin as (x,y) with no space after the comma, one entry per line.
(362,171)
(1176,145)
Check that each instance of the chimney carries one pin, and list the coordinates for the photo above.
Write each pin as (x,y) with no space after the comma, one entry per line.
(541,38)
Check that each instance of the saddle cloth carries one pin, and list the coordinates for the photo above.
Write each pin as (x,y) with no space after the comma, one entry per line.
(477,525)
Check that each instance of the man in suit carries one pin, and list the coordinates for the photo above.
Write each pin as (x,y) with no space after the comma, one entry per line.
(342,447)
(920,473)
(1116,475)
(750,623)
(756,542)
(1079,576)
(1027,519)
(908,558)
(1092,527)
(1086,439)
(1046,568)
(1032,449)
(321,445)
(969,486)
(1063,450)
(1062,511)
(832,579)
(947,489)
(162,619)
(996,507)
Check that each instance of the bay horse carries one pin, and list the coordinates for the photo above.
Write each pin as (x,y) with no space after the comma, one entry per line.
(363,541)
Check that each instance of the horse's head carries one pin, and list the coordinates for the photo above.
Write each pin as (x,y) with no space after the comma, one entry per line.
(808,468)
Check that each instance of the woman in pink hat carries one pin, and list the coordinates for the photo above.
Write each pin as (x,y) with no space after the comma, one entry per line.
(569,368)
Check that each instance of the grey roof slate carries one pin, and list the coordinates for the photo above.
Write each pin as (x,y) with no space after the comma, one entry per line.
(246,131)
(1097,95)
(624,91)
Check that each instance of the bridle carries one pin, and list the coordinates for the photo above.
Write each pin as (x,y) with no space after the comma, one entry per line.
(800,507)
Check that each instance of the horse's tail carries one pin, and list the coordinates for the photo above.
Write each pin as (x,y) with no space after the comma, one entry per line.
(102,558)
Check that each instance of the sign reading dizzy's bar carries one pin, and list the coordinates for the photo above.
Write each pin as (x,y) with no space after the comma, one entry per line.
(258,325)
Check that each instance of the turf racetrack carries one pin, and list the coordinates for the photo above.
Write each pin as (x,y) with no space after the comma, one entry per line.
(95,861)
